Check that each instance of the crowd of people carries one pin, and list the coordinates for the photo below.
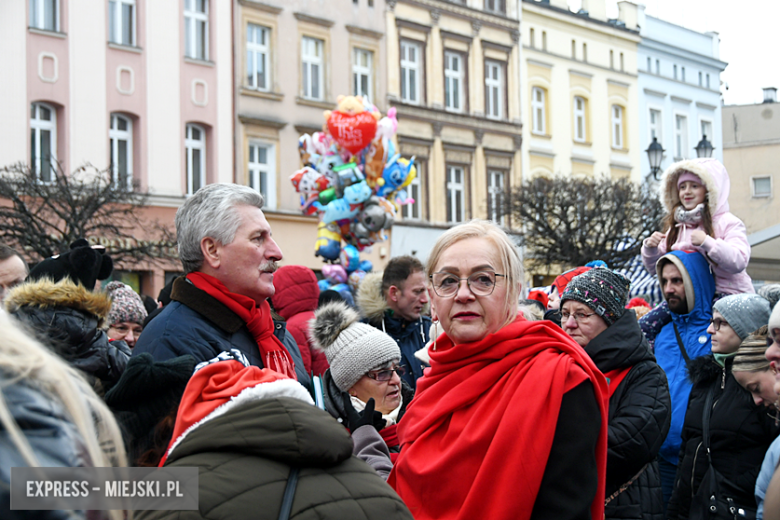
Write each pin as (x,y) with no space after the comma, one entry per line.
(444,392)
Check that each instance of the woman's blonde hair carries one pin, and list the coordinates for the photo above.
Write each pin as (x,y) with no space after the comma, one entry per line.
(508,259)
(23,359)
(751,355)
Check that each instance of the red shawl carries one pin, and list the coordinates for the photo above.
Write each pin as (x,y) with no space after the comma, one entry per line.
(476,438)
(257,318)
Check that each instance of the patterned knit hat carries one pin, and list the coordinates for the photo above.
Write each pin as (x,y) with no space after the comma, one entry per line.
(745,313)
(602,290)
(352,348)
(126,305)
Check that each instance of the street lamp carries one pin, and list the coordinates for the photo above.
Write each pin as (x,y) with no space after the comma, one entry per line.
(704,148)
(655,152)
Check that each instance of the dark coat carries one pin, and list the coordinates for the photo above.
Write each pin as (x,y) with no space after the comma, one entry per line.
(198,325)
(245,457)
(640,412)
(740,434)
(69,319)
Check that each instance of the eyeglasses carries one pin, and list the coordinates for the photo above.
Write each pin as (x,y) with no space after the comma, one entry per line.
(121,331)
(717,322)
(480,283)
(386,374)
(579,317)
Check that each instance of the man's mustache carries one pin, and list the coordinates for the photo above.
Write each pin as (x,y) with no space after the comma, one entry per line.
(269,267)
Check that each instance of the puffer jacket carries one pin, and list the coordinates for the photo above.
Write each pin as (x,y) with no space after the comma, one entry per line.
(728,251)
(693,331)
(53,437)
(640,412)
(245,456)
(740,434)
(295,300)
(411,336)
(70,319)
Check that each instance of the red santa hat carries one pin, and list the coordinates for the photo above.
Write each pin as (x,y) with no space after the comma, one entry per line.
(539,296)
(223,383)
(563,280)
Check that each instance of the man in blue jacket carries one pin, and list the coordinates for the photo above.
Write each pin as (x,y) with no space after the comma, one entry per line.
(688,287)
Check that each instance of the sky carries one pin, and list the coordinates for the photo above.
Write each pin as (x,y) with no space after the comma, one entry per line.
(749,39)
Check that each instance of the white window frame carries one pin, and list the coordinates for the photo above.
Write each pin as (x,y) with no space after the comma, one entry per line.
(191,145)
(192,20)
(258,55)
(539,111)
(116,22)
(680,137)
(649,64)
(408,94)
(658,67)
(310,48)
(753,192)
(708,81)
(38,14)
(255,169)
(413,211)
(701,76)
(702,122)
(496,195)
(37,126)
(361,72)
(115,135)
(674,68)
(531,38)
(494,89)
(580,120)
(656,128)
(456,191)
(617,113)
(495,6)
(454,80)
(682,74)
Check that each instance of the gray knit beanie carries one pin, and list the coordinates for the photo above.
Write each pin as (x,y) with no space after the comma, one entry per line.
(745,313)
(351,347)
(601,289)
(771,292)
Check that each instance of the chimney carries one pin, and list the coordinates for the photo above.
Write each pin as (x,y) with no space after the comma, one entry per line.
(770,95)
(628,14)
(596,9)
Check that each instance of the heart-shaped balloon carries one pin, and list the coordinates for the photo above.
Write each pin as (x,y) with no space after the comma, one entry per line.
(352,131)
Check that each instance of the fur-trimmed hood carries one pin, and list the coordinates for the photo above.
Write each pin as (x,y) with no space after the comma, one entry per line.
(712,173)
(704,369)
(46,294)
(370,301)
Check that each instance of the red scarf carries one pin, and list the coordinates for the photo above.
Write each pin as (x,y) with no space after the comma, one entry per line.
(257,318)
(486,414)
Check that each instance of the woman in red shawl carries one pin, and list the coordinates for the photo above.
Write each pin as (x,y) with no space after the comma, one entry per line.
(510,420)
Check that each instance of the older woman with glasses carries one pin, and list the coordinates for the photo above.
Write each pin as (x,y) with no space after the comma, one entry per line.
(510,420)
(593,313)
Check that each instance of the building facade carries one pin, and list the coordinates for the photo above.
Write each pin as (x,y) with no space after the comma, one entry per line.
(679,90)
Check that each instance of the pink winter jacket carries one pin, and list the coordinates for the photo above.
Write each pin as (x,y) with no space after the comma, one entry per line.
(728,252)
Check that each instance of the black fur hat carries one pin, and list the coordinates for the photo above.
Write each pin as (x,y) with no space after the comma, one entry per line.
(83,264)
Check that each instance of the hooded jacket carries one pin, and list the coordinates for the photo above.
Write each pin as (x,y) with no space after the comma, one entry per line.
(740,434)
(640,413)
(70,319)
(728,251)
(411,336)
(295,300)
(699,290)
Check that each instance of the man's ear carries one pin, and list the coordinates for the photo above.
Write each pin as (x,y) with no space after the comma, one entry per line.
(211,252)
(392,293)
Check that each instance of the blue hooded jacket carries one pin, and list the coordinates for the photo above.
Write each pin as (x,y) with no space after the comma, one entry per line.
(693,330)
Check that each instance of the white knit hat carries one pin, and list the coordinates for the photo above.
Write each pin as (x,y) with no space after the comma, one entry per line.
(352,348)
(774,322)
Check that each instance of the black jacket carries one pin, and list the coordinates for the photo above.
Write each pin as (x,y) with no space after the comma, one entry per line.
(640,413)
(740,433)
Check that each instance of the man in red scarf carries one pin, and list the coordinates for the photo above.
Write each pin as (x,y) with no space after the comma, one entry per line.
(229,257)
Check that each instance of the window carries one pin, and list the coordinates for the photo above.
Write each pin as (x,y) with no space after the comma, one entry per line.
(196,29)
(455,194)
(43,141)
(706,129)
(45,14)
(611,59)
(708,81)
(573,50)
(762,186)
(675,72)
(649,64)
(538,110)
(658,67)
(656,125)
(495,6)
(258,57)
(682,73)
(121,22)
(262,172)
(680,137)
(617,126)
(494,89)
(453,81)
(496,196)
(531,38)
(311,58)
(544,40)
(413,211)
(622,62)
(579,119)
(700,79)
(120,137)
(584,52)
(361,73)
(411,72)
(195,146)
